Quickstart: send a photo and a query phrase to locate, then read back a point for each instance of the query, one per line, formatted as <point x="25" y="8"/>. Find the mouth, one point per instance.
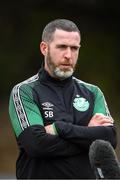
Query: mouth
<point x="66" y="65"/>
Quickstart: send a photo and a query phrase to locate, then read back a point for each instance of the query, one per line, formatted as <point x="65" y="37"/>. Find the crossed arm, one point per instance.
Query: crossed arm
<point x="99" y="127"/>
<point x="98" y="119"/>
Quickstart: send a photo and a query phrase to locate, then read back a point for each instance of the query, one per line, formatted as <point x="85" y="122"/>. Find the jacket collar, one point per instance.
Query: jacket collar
<point x="44" y="77"/>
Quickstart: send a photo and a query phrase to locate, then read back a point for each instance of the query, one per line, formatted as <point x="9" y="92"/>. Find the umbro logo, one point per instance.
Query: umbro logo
<point x="48" y="109"/>
<point x="47" y="105"/>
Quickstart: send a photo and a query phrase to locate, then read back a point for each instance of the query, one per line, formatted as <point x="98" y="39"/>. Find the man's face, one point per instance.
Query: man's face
<point x="62" y="54"/>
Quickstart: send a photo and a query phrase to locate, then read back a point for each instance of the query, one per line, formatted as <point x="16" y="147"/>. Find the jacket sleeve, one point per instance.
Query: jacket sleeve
<point x="84" y="135"/>
<point x="29" y="128"/>
<point x="36" y="142"/>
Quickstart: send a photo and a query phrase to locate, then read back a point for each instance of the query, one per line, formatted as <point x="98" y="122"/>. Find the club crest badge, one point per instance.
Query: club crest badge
<point x="81" y="104"/>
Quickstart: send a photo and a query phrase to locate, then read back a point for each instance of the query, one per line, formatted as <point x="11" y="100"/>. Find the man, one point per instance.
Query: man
<point x="55" y="116"/>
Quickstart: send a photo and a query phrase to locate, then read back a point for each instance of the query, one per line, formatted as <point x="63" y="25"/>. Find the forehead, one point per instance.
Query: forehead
<point x="61" y="36"/>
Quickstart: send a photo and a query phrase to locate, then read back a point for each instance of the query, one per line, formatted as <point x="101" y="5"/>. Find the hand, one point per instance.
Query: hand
<point x="100" y="119"/>
<point x="49" y="129"/>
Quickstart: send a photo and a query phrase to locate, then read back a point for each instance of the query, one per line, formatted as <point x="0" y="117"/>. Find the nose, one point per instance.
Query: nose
<point x="68" y="53"/>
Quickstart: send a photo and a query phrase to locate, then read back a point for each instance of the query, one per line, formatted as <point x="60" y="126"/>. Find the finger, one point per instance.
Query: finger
<point x="99" y="115"/>
<point x="104" y="120"/>
<point x="107" y="124"/>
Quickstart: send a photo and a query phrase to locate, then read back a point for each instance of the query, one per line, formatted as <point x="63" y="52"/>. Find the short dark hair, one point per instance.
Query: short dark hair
<point x="62" y="24"/>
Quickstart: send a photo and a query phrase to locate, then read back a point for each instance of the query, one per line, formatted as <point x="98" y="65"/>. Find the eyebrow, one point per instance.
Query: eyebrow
<point x="64" y="45"/>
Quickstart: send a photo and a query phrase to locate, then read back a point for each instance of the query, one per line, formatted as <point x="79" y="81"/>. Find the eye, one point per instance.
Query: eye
<point x="74" y="48"/>
<point x="61" y="46"/>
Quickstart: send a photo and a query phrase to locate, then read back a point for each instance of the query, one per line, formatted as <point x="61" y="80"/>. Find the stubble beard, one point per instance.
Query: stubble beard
<point x="56" y="71"/>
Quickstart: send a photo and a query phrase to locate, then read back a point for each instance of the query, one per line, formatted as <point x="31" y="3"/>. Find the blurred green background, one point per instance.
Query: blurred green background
<point x="21" y="25"/>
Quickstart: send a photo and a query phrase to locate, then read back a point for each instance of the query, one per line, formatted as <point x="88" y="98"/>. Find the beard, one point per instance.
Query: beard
<point x="56" y="71"/>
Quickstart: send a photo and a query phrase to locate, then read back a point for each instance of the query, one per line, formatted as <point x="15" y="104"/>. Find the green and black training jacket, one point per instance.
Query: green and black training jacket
<point x="67" y="104"/>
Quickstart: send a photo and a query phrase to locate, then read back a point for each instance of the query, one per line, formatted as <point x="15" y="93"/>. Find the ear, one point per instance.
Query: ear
<point x="43" y="48"/>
